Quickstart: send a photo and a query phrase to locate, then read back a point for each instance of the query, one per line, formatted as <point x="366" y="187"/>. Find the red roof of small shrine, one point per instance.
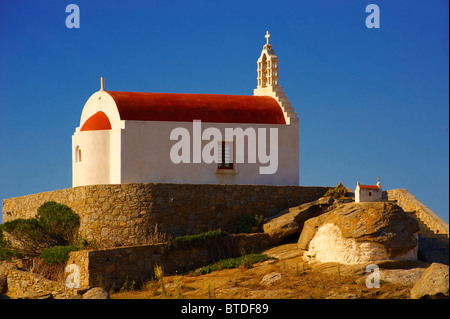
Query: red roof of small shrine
<point x="369" y="186"/>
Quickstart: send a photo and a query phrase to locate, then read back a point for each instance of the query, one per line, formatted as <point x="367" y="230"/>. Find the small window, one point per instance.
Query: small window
<point x="77" y="154"/>
<point x="370" y="193"/>
<point x="225" y="155"/>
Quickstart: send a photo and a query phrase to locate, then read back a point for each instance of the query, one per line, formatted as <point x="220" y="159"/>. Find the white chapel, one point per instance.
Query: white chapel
<point x="134" y="137"/>
<point x="368" y="193"/>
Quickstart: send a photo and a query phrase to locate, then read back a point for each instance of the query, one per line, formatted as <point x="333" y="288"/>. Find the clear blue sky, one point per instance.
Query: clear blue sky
<point x="371" y="102"/>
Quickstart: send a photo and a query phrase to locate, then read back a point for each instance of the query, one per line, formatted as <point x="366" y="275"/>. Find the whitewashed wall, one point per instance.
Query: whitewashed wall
<point x="139" y="151"/>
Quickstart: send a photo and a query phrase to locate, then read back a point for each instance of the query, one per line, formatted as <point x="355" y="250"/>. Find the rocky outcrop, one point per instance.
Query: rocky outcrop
<point x="360" y="232"/>
<point x="433" y="284"/>
<point x="290" y="221"/>
<point x="270" y="279"/>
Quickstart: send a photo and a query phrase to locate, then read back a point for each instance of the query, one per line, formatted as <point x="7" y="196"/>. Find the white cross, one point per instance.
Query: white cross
<point x="267" y="36"/>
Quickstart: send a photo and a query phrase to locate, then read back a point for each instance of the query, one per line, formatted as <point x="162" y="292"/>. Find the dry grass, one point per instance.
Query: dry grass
<point x="298" y="281"/>
<point x="53" y="272"/>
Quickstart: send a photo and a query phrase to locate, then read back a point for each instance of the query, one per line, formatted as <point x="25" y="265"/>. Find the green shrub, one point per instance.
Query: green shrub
<point x="29" y="238"/>
<point x="187" y="239"/>
<point x="59" y="221"/>
<point x="8" y="254"/>
<point x="246" y="261"/>
<point x="250" y="223"/>
<point x="54" y="225"/>
<point x="57" y="254"/>
<point x="338" y="192"/>
<point x="6" y="251"/>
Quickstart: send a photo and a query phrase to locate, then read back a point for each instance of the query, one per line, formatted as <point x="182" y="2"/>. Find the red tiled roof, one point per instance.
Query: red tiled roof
<point x="368" y="186"/>
<point x="98" y="121"/>
<point x="215" y="108"/>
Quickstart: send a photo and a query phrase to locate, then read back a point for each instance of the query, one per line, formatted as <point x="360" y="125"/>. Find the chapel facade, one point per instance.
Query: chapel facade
<point x="134" y="137"/>
<point x="368" y="193"/>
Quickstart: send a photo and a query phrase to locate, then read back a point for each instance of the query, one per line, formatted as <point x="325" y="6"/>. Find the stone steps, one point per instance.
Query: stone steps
<point x="424" y="228"/>
<point x="433" y="247"/>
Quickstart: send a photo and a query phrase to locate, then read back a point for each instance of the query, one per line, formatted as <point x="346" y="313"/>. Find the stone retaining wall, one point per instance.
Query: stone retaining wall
<point x="24" y="284"/>
<point x="127" y="213"/>
<point x="110" y="268"/>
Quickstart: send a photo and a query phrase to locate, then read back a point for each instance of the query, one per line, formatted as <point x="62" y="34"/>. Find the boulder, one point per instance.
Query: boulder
<point x="270" y="279"/>
<point x="354" y="233"/>
<point x="96" y="293"/>
<point x="35" y="295"/>
<point x="433" y="284"/>
<point x="291" y="220"/>
<point x="405" y="277"/>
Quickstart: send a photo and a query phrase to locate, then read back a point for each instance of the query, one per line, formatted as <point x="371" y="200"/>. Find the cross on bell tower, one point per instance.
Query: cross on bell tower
<point x="267" y="36"/>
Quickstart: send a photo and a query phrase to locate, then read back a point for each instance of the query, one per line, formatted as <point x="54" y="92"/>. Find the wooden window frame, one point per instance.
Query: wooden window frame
<point x="224" y="164"/>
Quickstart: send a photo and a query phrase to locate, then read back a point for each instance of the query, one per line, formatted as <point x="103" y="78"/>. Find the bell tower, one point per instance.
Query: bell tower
<point x="267" y="66"/>
<point x="268" y="83"/>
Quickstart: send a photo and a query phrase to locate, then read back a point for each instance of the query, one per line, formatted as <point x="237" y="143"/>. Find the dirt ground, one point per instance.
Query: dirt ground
<point x="287" y="277"/>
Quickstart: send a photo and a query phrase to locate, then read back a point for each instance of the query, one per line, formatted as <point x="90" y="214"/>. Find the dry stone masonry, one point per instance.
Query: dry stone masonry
<point x="127" y="213"/>
<point x="110" y="268"/>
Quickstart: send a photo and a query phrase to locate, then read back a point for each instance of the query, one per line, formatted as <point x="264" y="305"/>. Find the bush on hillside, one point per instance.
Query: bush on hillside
<point x="245" y="261"/>
<point x="6" y="253"/>
<point x="26" y="237"/>
<point x="57" y="254"/>
<point x="59" y="221"/>
<point x="54" y="225"/>
<point x="250" y="223"/>
<point x="338" y="192"/>
<point x="187" y="239"/>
